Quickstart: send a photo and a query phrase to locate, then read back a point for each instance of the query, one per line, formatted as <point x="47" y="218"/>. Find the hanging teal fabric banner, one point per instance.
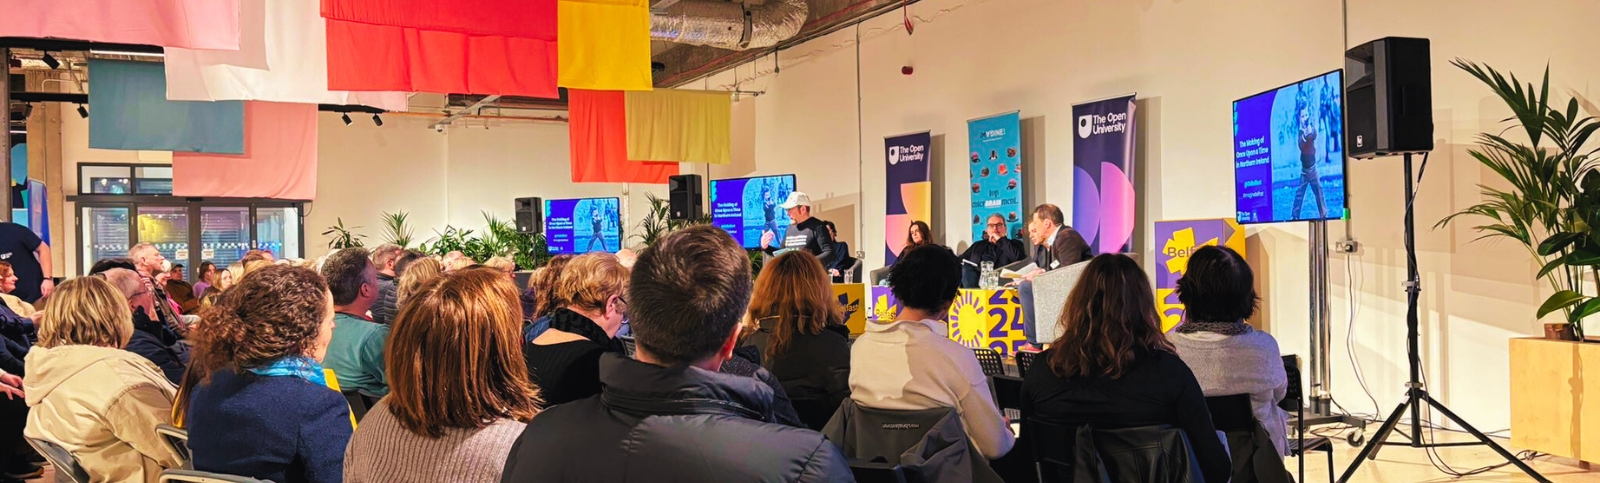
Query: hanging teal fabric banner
<point x="128" y="109"/>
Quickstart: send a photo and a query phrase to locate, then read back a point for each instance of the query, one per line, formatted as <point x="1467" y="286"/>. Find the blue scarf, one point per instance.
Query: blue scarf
<point x="295" y="366"/>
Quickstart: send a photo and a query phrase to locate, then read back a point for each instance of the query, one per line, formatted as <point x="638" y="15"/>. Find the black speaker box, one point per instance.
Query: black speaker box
<point x="1388" y="98"/>
<point x="530" y="215"/>
<point x="684" y="198"/>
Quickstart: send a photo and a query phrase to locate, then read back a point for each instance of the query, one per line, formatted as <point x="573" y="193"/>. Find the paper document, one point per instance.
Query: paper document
<point x="1020" y="272"/>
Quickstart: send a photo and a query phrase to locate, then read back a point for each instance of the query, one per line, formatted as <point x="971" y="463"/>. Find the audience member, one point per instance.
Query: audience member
<point x="181" y="291"/>
<point x="801" y="334"/>
<point x="1227" y="355"/>
<point x="406" y="259"/>
<point x="416" y="275"/>
<point x="150" y="339"/>
<point x="504" y="264"/>
<point x="110" y="263"/>
<point x="1055" y="245"/>
<point x="914" y="365"/>
<point x="259" y="255"/>
<point x="565" y="360"/>
<point x="746" y="361"/>
<point x="384" y="258"/>
<point x="995" y="248"/>
<point x="204" y="277"/>
<point x="30" y="259"/>
<point x="356" y="353"/>
<point x="459" y="263"/>
<point x="847" y="259"/>
<point x="668" y="416"/>
<point x="1113" y="368"/>
<point x="100" y="403"/>
<point x="459" y="389"/>
<point x="627" y="257"/>
<point x="261" y="407"/>
<point x="16" y="316"/>
<point x="539" y="299"/>
<point x="227" y="277"/>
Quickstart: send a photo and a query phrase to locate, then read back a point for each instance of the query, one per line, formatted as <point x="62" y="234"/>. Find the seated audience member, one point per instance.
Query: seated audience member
<point x="181" y="291"/>
<point x="356" y="353"/>
<point x="746" y="361"/>
<point x="150" y="339"/>
<point x="384" y="258"/>
<point x="1227" y="355"/>
<point x="259" y="255"/>
<point x="99" y="402"/>
<point x="801" y="333"/>
<point x="846" y="258"/>
<point x="910" y="364"/>
<point x="1112" y="367"/>
<point x="426" y="270"/>
<point x="1055" y="245"/>
<point x="627" y="257"/>
<point x="542" y="289"/>
<point x="459" y="392"/>
<point x="16" y="315"/>
<point x="669" y="416"/>
<point x="995" y="248"/>
<point x="262" y="407"/>
<point x="565" y="360"/>
<point x="228" y="275"/>
<point x="503" y="264"/>
<point x="204" y="278"/>
<point x="406" y="259"/>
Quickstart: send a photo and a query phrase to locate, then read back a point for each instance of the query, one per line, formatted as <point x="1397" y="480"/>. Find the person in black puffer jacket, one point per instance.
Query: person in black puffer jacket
<point x="669" y="416"/>
<point x="746" y="361"/>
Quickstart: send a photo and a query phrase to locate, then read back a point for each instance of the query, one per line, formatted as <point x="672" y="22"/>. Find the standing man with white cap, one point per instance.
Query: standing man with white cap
<point x="803" y="233"/>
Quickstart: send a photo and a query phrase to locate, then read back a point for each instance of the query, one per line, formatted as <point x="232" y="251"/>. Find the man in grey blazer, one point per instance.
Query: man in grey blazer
<point x="1055" y="245"/>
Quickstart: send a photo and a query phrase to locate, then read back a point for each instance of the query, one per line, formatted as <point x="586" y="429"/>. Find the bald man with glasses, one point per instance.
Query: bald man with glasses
<point x="994" y="247"/>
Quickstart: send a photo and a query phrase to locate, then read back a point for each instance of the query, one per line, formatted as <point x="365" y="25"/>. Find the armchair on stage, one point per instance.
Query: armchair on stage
<point x="1050" y="291"/>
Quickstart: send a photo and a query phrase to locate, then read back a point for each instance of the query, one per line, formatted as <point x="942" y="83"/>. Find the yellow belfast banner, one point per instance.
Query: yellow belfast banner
<point x="680" y="125"/>
<point x="852" y="298"/>
<point x="1179" y="239"/>
<point x="603" y="45"/>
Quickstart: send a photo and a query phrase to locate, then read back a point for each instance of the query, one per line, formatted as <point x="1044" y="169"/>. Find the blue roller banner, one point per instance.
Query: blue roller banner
<point x="994" y="146"/>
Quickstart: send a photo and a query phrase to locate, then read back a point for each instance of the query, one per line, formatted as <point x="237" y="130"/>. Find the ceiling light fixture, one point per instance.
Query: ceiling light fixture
<point x="83" y="111"/>
<point x="346" y="118"/>
<point x="377" y="120"/>
<point x="51" y="61"/>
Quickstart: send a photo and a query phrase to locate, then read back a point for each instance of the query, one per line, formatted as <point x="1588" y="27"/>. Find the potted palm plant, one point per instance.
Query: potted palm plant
<point x="1552" y="207"/>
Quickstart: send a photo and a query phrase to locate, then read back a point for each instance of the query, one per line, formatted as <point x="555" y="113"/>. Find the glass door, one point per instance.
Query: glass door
<point x="103" y="234"/>
<point x="188" y="232"/>
<point x="166" y="227"/>
<point x="278" y="231"/>
<point x="224" y="234"/>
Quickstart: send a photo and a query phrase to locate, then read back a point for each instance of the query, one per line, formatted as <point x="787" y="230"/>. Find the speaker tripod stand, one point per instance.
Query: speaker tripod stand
<point x="1416" y="391"/>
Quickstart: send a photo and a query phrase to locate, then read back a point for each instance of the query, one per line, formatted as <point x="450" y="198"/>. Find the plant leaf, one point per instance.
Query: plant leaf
<point x="1558" y="301"/>
<point x="1587" y="308"/>
<point x="1558" y="242"/>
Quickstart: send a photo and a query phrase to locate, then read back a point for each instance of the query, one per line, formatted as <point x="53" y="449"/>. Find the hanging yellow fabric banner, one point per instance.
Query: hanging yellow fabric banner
<point x="679" y="125"/>
<point x="603" y="44"/>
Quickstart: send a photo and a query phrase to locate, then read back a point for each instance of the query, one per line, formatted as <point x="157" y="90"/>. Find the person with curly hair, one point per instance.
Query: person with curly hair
<point x="257" y="402"/>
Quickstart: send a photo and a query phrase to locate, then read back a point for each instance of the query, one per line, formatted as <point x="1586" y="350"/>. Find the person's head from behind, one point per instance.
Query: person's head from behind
<point x="352" y="278"/>
<point x="455" y="357"/>
<point x="418" y="274"/>
<point x="385" y="257"/>
<point x="1217" y="286"/>
<point x="86" y="311"/>
<point x="405" y="260"/>
<point x="8" y="278"/>
<point x="918" y="234"/>
<point x="689" y="292"/>
<point x="277" y="312"/>
<point x="627" y="257"/>
<point x="146" y="257"/>
<point x="110" y="263"/>
<point x="794" y="292"/>
<point x="543" y="285"/>
<point x="994" y="227"/>
<point x="504" y="264"/>
<point x="458" y="263"/>
<point x="925" y="280"/>
<point x="259" y="254"/>
<point x="1108" y="321"/>
<point x="833" y="230"/>
<point x="132" y="288"/>
<point x="1046" y="218"/>
<point x="595" y="285"/>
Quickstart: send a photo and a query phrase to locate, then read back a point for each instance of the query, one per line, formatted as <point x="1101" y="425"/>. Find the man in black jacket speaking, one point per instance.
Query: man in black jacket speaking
<point x="803" y="233"/>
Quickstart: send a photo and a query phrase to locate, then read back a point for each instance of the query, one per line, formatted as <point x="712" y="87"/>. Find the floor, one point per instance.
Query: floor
<point x="1397" y="464"/>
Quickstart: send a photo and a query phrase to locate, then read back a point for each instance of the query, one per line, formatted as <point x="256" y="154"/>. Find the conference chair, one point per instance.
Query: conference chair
<point x="66" y="464"/>
<point x="192" y="476"/>
<point x="1294" y="401"/>
<point x="358" y="404"/>
<point x="990" y="361"/>
<point x="1159" y="453"/>
<point x="1255" y="458"/>
<point x="1024" y="362"/>
<point x="177" y="440"/>
<point x="927" y="445"/>
<point x="869" y="472"/>
<point x="1052" y="458"/>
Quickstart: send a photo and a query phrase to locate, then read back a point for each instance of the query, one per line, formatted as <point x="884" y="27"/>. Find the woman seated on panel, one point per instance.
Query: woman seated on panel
<point x="458" y="388"/>
<point x="801" y="335"/>
<point x="565" y="360"/>
<point x="918" y="234"/>
<point x="1227" y="355"/>
<point x="91" y="397"/>
<point x="1112" y="367"/>
<point x="256" y="401"/>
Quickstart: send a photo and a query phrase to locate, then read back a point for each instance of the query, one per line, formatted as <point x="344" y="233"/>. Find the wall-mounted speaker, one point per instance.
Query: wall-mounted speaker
<point x="685" y="199"/>
<point x="530" y="215"/>
<point x="1388" y="98"/>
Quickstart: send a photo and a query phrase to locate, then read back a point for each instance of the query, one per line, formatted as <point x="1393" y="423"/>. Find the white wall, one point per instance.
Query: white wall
<point x="1188" y="61"/>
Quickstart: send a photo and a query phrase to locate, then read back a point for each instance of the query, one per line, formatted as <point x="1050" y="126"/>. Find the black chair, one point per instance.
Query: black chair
<point x="1255" y="458"/>
<point x="1007" y="396"/>
<point x="66" y="464"/>
<point x="628" y="346"/>
<point x="814" y="411"/>
<point x="177" y="440"/>
<point x="869" y="472"/>
<point x="358" y="404"/>
<point x="1025" y="361"/>
<point x="1294" y="401"/>
<point x="990" y="360"/>
<point x="1052" y="458"/>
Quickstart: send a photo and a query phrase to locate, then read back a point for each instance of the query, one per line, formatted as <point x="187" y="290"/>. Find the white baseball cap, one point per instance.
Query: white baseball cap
<point x="796" y="199"/>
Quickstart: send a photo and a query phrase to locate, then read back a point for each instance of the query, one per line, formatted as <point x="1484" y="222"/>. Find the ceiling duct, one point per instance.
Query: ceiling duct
<point x="728" y="25"/>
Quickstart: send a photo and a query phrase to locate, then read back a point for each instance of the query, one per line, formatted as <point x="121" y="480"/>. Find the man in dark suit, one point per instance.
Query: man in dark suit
<point x="994" y="247"/>
<point x="1055" y="245"/>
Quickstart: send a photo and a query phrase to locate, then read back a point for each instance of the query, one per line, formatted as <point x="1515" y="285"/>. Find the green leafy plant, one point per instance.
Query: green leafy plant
<point x="499" y="238"/>
<point x="658" y="223"/>
<point x="1553" y="205"/>
<point x="397" y="229"/>
<point x="343" y="237"/>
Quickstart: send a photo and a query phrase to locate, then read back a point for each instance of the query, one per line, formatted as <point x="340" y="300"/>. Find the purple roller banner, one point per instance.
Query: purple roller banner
<point x="910" y="194"/>
<point x="1102" y="174"/>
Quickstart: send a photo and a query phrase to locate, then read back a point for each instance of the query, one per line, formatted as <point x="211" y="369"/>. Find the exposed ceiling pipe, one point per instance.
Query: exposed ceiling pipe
<point x="486" y="100"/>
<point x="728" y="25"/>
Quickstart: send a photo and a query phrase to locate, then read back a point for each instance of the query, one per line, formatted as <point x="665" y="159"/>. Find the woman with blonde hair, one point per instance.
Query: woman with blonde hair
<point x="418" y="274"/>
<point x="503" y="264"/>
<point x="98" y="401"/>
<point x="801" y="335"/>
<point x="459" y="392"/>
<point x="565" y="360"/>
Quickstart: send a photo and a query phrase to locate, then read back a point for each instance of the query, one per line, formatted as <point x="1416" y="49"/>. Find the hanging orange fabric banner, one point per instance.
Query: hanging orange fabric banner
<point x="598" y="131"/>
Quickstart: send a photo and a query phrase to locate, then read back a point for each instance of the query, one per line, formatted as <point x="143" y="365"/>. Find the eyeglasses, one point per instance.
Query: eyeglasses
<point x="997" y="225"/>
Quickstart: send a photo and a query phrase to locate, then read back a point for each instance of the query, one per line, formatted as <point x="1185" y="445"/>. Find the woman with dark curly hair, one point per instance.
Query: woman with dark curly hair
<point x="260" y="405"/>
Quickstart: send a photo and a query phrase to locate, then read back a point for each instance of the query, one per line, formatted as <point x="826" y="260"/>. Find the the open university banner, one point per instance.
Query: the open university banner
<point x="1102" y="174"/>
<point x="907" y="186"/>
<point x="995" y="151"/>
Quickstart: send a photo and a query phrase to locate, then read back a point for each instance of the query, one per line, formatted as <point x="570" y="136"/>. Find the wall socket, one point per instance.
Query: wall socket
<point x="1346" y="246"/>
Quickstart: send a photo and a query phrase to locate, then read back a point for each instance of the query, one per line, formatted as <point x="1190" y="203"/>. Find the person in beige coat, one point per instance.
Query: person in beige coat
<point x="96" y="400"/>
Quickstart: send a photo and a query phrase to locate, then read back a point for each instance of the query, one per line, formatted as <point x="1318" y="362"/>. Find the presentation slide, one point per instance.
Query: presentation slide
<point x="1288" y="152"/>
<point x="748" y="207"/>
<point x="583" y="225"/>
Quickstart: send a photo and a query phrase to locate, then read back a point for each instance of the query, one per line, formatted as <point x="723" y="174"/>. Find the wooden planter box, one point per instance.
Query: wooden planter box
<point x="1555" y="397"/>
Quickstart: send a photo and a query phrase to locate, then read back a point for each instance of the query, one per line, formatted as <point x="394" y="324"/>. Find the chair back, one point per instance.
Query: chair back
<point x="814" y="411"/>
<point x="177" y="440"/>
<point x="990" y="361"/>
<point x="629" y="346"/>
<point x="869" y="472"/>
<point x="1232" y="413"/>
<point x="853" y="273"/>
<point x="66" y="464"/>
<point x="1054" y="449"/>
<point x="358" y="404"/>
<point x="1294" y="398"/>
<point x="927" y="445"/>
<point x="192" y="476"/>
<point x="1050" y="291"/>
<point x="1025" y="361"/>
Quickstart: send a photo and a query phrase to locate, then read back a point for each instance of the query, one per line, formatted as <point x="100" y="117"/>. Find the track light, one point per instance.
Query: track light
<point x="346" y="118"/>
<point x="27" y="110"/>
<point x="51" y="61"/>
<point x="83" y="111"/>
<point x="377" y="120"/>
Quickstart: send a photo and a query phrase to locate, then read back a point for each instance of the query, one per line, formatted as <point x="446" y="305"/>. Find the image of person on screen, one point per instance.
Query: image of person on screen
<point x="769" y="208"/>
<point x="597" y="230"/>
<point x="804" y="233"/>
<point x="1310" y="174"/>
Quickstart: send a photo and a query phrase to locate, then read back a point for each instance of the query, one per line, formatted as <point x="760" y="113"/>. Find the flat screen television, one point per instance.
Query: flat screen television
<point x="748" y="207"/>
<point x="1288" y="152"/>
<point x="583" y="225"/>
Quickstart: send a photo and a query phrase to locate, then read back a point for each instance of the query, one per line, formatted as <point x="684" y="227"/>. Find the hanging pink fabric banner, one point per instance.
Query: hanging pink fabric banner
<point x="279" y="160"/>
<point x="283" y="57"/>
<point x="194" y="24"/>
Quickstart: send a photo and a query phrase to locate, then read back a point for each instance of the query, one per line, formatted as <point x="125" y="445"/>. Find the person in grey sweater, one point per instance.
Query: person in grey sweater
<point x="1226" y="355"/>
